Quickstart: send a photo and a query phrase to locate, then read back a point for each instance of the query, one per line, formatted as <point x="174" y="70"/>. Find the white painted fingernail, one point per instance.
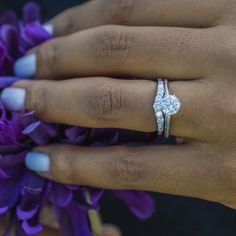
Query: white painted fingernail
<point x="13" y="98"/>
<point x="49" y="28"/>
<point x="37" y="161"/>
<point x="25" y="67"/>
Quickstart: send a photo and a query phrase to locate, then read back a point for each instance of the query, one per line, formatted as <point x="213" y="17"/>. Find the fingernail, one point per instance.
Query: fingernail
<point x="13" y="98"/>
<point x="25" y="67"/>
<point x="37" y="161"/>
<point x="49" y="28"/>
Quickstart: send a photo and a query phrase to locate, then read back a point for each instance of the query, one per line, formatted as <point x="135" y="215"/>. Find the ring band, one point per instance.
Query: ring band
<point x="167" y="116"/>
<point x="157" y="107"/>
<point x="165" y="105"/>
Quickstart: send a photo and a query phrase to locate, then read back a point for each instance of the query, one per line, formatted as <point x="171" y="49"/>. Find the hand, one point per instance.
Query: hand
<point x="192" y="43"/>
<point x="51" y="226"/>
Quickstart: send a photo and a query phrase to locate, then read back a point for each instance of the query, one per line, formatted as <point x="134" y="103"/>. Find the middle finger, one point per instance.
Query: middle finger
<point x="146" y="52"/>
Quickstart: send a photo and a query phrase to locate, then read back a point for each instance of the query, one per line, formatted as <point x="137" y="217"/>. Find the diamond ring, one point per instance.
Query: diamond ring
<point x="157" y="107"/>
<point x="165" y="105"/>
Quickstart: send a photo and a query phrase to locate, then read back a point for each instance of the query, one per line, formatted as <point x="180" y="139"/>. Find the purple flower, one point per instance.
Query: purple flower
<point x="23" y="194"/>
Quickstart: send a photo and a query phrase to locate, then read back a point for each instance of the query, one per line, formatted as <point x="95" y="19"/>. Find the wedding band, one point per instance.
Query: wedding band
<point x="170" y="105"/>
<point x="157" y="107"/>
<point x="165" y="105"/>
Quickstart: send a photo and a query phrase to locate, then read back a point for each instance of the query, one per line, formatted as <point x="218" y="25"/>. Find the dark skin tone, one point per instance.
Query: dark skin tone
<point x="194" y="46"/>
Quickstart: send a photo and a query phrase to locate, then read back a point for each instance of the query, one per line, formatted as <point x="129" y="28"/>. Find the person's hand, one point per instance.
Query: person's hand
<point x="51" y="227"/>
<point x="192" y="43"/>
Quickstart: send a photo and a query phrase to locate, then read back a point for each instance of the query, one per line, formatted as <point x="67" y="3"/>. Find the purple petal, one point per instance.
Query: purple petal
<point x="40" y="133"/>
<point x="63" y="195"/>
<point x="3" y="57"/>
<point x="77" y="135"/>
<point x="9" y="17"/>
<point x="26" y="215"/>
<point x="79" y="219"/>
<point x="64" y="220"/>
<point x="10" y="192"/>
<point x="139" y="202"/>
<point x="3" y="210"/>
<point x="32" y="230"/>
<point x="19" y="231"/>
<point x="31" y="12"/>
<point x="12" y="160"/>
<point x="33" y="34"/>
<point x="6" y="149"/>
<point x="10" y="36"/>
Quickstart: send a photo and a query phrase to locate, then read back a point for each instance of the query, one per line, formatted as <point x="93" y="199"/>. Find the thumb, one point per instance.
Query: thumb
<point x="110" y="230"/>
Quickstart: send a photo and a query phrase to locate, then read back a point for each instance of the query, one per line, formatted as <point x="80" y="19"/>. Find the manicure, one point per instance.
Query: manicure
<point x="25" y="67"/>
<point x="37" y="161"/>
<point x="13" y="98"/>
<point x="49" y="28"/>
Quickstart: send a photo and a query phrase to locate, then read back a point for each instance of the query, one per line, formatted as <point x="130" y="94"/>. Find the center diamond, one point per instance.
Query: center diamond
<point x="170" y="105"/>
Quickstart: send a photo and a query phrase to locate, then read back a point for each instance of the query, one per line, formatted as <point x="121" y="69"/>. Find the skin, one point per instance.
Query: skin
<point x="194" y="46"/>
<point x="50" y="226"/>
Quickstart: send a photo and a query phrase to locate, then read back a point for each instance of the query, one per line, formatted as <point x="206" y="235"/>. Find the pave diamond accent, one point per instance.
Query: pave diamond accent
<point x="158" y="108"/>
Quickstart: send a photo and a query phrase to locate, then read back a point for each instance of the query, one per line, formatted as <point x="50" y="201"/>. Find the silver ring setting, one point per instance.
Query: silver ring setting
<point x="165" y="106"/>
<point x="158" y="107"/>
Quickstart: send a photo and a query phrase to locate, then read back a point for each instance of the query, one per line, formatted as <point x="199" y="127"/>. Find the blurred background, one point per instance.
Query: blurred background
<point x="175" y="216"/>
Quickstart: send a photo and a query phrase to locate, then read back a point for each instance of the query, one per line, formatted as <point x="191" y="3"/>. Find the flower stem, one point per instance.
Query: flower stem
<point x="94" y="217"/>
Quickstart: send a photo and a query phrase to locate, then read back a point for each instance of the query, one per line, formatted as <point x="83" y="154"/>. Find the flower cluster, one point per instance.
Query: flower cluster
<point x="23" y="194"/>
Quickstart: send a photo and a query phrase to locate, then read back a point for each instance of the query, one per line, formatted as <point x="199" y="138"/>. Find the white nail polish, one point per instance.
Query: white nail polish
<point x="13" y="98"/>
<point x="49" y="28"/>
<point x="25" y="67"/>
<point x="37" y="161"/>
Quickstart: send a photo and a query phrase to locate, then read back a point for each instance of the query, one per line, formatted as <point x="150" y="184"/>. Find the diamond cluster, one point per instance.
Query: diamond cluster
<point x="160" y="93"/>
<point x="170" y="105"/>
<point x="164" y="105"/>
<point x="157" y="107"/>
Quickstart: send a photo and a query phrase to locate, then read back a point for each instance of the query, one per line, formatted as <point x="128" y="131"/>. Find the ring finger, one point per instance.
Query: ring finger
<point x="104" y="103"/>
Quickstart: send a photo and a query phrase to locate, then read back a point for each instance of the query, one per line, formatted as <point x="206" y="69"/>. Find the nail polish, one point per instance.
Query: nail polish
<point x="25" y="67"/>
<point x="13" y="98"/>
<point x="49" y="28"/>
<point x="37" y="161"/>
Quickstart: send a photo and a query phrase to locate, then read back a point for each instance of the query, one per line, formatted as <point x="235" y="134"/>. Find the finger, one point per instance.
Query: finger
<point x="180" y="170"/>
<point x="181" y="13"/>
<point x="149" y="52"/>
<point x="48" y="218"/>
<point x="110" y="230"/>
<point x="104" y="103"/>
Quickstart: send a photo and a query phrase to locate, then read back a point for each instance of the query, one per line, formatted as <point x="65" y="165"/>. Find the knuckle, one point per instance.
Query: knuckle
<point x="67" y="23"/>
<point x="128" y="169"/>
<point x="107" y="102"/>
<point x="47" y="58"/>
<point x="223" y="52"/>
<point x="227" y="173"/>
<point x="224" y="58"/>
<point x="112" y="43"/>
<point x="36" y="98"/>
<point x="118" y="11"/>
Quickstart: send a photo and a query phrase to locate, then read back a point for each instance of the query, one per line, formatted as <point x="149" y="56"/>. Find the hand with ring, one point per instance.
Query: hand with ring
<point x="191" y="43"/>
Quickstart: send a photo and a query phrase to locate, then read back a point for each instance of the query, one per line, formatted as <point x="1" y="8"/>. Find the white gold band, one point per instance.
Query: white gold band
<point x="165" y="105"/>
